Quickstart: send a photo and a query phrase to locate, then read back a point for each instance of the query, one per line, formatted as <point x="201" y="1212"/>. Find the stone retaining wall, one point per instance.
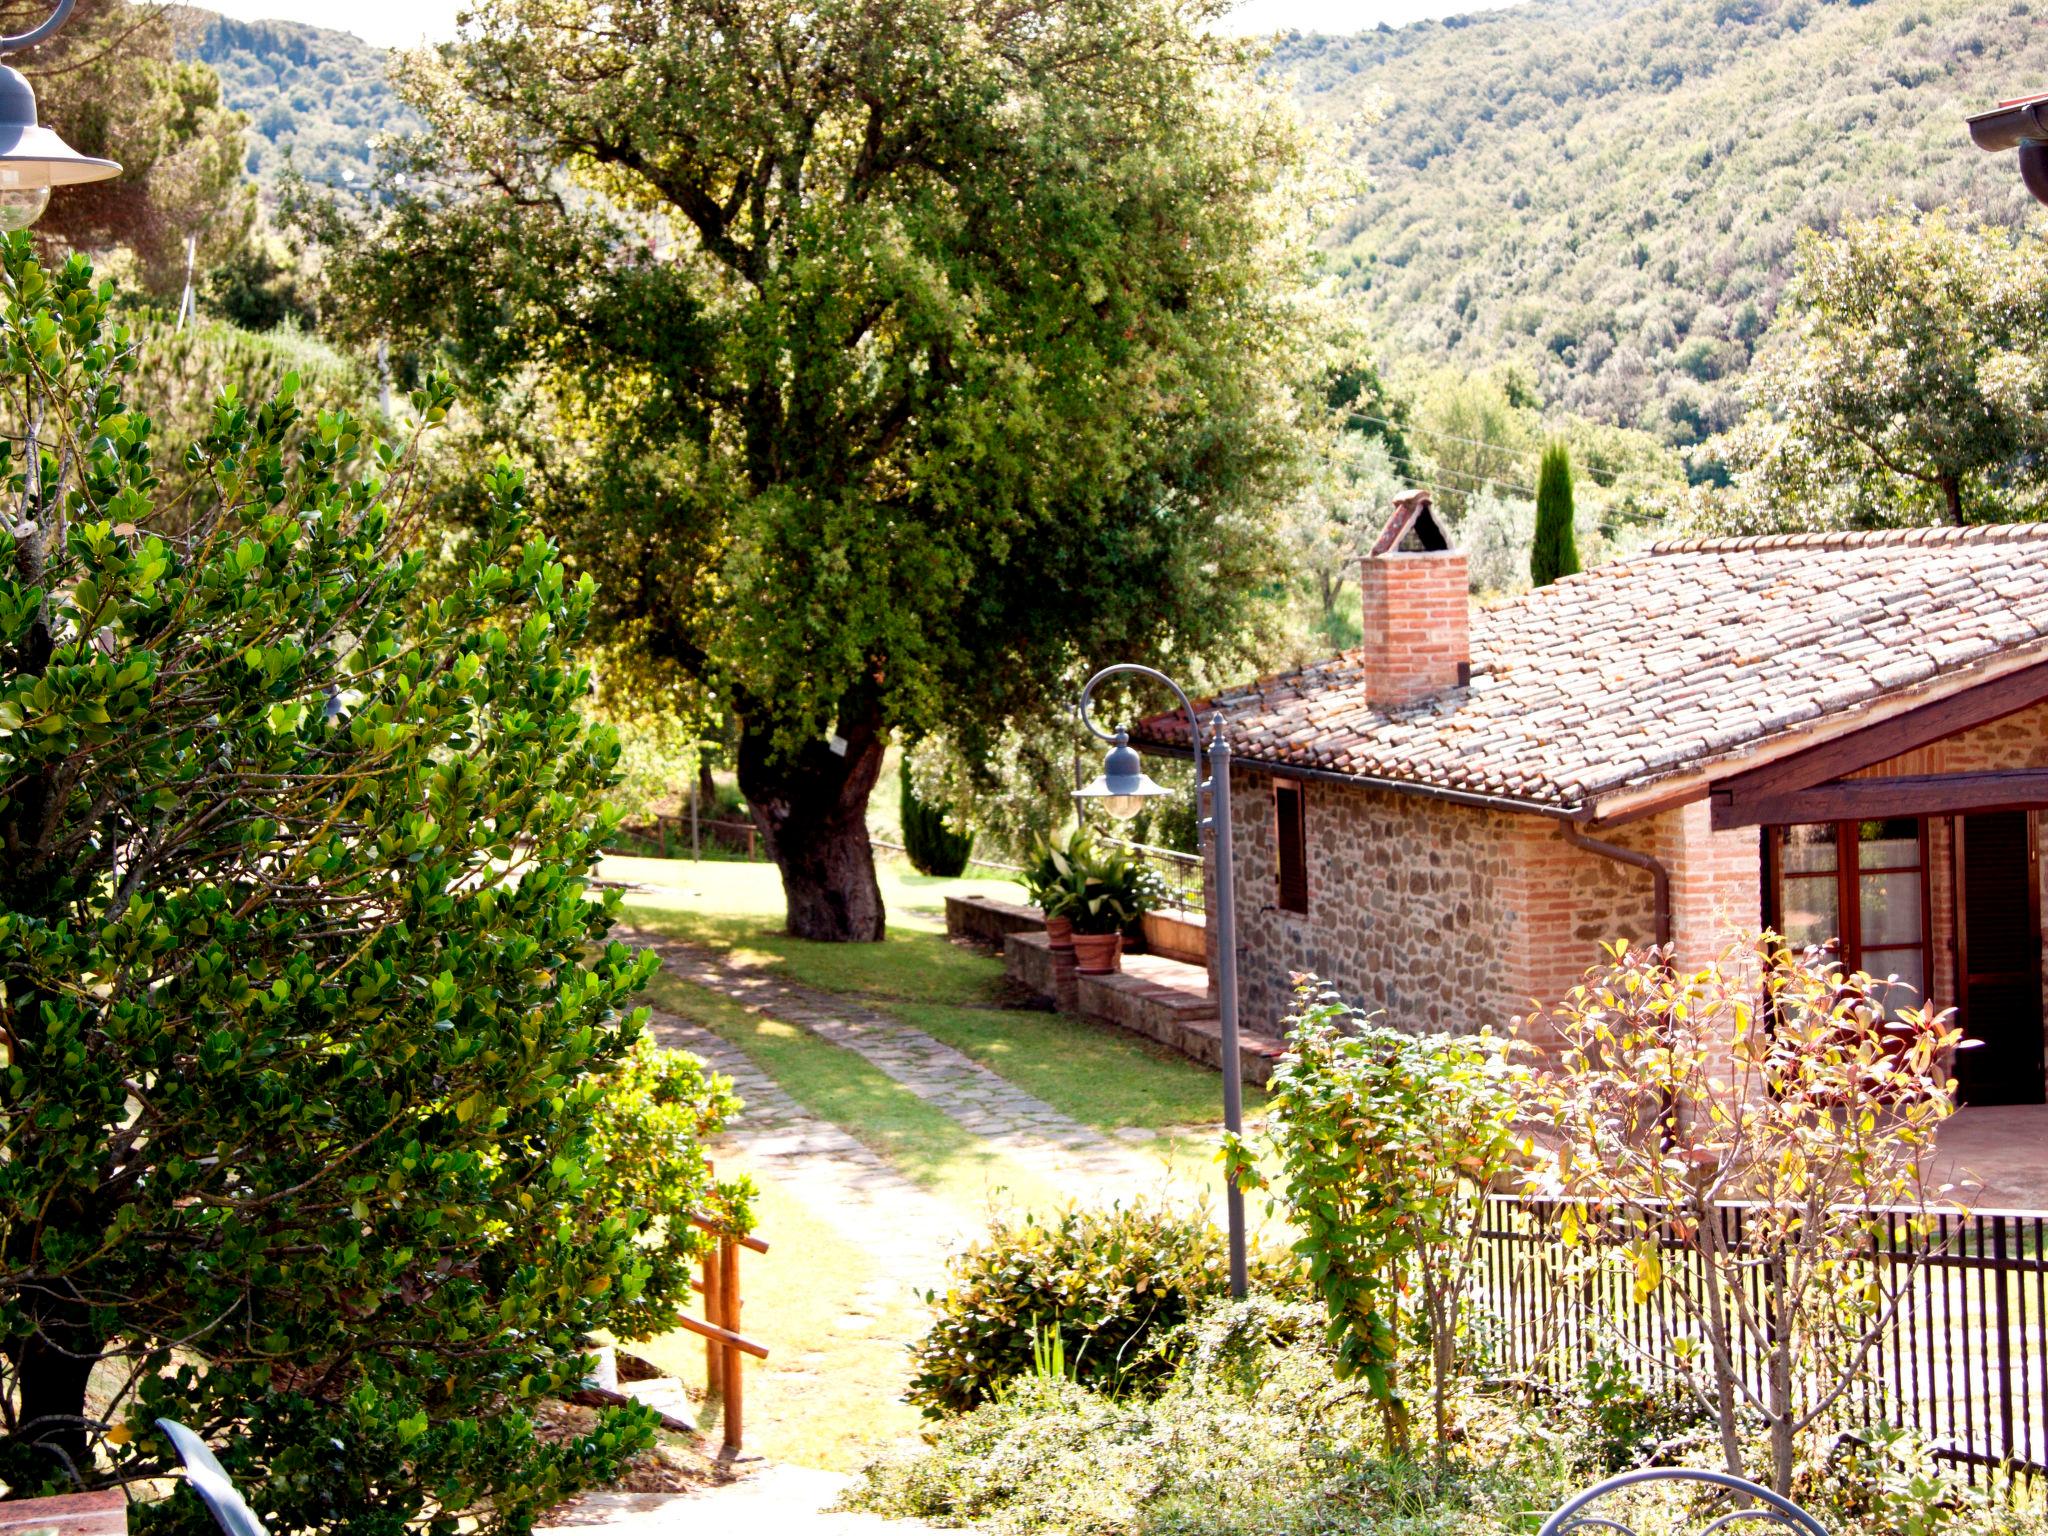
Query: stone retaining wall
<point x="988" y="921"/>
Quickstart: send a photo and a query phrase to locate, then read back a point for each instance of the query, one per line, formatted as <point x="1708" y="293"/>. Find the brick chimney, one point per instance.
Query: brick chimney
<point x="1417" y="640"/>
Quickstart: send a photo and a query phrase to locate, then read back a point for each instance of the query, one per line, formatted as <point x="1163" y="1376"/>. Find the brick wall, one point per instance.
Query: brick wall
<point x="1416" y="613"/>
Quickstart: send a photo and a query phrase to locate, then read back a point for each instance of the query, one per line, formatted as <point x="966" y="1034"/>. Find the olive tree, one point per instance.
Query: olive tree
<point x="891" y="363"/>
<point x="325" y="1128"/>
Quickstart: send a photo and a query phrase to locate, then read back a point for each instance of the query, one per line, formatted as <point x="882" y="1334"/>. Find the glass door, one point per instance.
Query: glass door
<point x="1862" y="887"/>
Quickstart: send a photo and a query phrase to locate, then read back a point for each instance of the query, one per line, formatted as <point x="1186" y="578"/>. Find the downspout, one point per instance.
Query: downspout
<point x="1660" y="877"/>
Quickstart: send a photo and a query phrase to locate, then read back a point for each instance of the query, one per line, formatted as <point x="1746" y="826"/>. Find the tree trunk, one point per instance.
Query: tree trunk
<point x="812" y="808"/>
<point x="1952" y="492"/>
<point x="52" y="1368"/>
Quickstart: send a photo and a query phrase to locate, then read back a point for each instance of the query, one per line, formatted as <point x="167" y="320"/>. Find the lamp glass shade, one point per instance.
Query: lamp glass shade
<point x="34" y="159"/>
<point x="1123" y="786"/>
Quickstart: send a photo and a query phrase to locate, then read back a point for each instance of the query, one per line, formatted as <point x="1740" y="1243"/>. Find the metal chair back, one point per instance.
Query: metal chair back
<point x="209" y="1479"/>
<point x="1765" y="1507"/>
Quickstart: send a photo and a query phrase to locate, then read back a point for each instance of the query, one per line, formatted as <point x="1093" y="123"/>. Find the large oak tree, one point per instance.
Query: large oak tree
<point x="888" y="361"/>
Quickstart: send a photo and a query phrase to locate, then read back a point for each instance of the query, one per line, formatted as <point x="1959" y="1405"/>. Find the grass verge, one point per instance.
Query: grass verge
<point x="828" y="1395"/>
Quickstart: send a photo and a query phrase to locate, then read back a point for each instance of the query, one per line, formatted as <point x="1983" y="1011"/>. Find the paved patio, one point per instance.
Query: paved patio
<point x="1997" y="1157"/>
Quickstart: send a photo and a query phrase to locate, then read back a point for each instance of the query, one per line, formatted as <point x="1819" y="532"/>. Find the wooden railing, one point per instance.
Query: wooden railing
<point x="720" y="1329"/>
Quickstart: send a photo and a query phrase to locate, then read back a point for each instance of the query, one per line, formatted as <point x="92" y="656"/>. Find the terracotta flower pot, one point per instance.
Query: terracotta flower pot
<point x="1060" y="930"/>
<point x="1097" y="954"/>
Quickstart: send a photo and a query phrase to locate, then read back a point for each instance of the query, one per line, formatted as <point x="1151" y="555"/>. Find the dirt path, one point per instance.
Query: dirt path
<point x="776" y="1501"/>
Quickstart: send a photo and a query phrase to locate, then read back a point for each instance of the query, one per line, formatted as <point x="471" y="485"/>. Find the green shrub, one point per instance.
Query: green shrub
<point x="1112" y="1284"/>
<point x="933" y="847"/>
<point x="1252" y="1435"/>
<point x="314" y="1038"/>
<point x="1387" y="1144"/>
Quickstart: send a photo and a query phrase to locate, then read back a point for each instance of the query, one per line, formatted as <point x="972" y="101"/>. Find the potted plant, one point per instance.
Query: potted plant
<point x="1117" y="889"/>
<point x="1054" y="882"/>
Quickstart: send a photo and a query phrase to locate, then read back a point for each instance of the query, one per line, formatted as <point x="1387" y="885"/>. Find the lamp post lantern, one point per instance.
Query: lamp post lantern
<point x="1122" y="789"/>
<point x="33" y="159"/>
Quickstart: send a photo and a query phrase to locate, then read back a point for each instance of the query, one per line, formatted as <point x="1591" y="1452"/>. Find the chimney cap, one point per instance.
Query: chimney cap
<point x="1413" y="514"/>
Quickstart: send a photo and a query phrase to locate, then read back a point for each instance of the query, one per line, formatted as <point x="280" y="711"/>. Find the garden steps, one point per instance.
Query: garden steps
<point x="1162" y="999"/>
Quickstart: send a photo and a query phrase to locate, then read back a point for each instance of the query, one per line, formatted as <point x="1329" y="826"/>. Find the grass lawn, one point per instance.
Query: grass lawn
<point x="924" y="1144"/>
<point x="828" y="1393"/>
<point x="738" y="908"/>
<point x="1111" y="1081"/>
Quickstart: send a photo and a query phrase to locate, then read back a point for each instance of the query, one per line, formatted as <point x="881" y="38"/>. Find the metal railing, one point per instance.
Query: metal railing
<point x="1963" y="1360"/>
<point x="1181" y="871"/>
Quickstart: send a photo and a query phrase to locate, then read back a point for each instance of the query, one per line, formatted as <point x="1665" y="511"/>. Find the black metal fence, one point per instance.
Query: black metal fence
<point x="1182" y="872"/>
<point x="1962" y="1358"/>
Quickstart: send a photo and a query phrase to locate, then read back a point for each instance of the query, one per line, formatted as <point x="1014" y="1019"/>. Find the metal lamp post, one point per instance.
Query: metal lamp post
<point x="33" y="159"/>
<point x="1122" y="789"/>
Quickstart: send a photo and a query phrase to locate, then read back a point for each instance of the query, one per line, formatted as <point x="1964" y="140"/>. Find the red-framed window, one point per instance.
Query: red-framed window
<point x="1863" y="884"/>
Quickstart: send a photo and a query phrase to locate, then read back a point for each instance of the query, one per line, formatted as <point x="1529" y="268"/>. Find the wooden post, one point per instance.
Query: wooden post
<point x="729" y="1299"/>
<point x="714" y="1313"/>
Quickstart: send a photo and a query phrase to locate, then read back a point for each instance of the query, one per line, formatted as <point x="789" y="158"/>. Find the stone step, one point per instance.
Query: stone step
<point x="1160" y="999"/>
<point x="1176" y="1018"/>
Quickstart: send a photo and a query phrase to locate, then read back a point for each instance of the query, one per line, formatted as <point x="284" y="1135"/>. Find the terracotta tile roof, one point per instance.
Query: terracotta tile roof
<point x="1701" y="649"/>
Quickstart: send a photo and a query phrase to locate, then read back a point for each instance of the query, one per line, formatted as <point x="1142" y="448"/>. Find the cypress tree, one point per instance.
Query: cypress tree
<point x="1555" y="551"/>
<point x="933" y="847"/>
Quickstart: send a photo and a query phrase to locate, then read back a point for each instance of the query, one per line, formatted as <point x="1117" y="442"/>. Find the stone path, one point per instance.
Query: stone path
<point x="849" y="1187"/>
<point x="1075" y="1158"/>
<point x="776" y="1501"/>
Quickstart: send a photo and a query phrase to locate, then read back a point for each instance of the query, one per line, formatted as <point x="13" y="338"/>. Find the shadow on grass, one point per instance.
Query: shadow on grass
<point x="907" y="966"/>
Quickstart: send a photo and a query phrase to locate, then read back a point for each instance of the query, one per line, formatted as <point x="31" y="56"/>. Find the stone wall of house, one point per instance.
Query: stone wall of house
<point x="1450" y="917"/>
<point x="1410" y="901"/>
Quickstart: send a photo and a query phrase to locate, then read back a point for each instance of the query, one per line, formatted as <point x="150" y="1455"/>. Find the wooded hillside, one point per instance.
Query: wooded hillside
<point x="1608" y="191"/>
<point x="312" y="94"/>
<point x="1603" y="191"/>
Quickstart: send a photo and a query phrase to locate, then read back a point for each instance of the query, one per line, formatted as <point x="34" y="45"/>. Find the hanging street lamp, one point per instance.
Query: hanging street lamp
<point x="33" y="159"/>
<point x="2020" y="124"/>
<point x="1122" y="789"/>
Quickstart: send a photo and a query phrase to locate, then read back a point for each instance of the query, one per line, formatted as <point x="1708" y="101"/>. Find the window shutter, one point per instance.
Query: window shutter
<point x="1293" y="845"/>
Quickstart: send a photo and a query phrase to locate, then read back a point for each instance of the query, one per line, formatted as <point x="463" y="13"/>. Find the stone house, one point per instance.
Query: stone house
<point x="1843" y="736"/>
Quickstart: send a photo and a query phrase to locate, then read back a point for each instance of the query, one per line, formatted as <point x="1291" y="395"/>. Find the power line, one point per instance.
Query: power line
<point x="1452" y="437"/>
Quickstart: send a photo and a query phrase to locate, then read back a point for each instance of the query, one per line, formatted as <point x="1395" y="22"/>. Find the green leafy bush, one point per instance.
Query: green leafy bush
<point x="1253" y="1435"/>
<point x="1112" y="1284"/>
<point x="325" y="1129"/>
<point x="1388" y="1143"/>
<point x="933" y="846"/>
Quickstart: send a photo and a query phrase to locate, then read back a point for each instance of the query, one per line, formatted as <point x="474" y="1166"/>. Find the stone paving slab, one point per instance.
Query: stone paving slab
<point x="864" y="1199"/>
<point x="1075" y="1158"/>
